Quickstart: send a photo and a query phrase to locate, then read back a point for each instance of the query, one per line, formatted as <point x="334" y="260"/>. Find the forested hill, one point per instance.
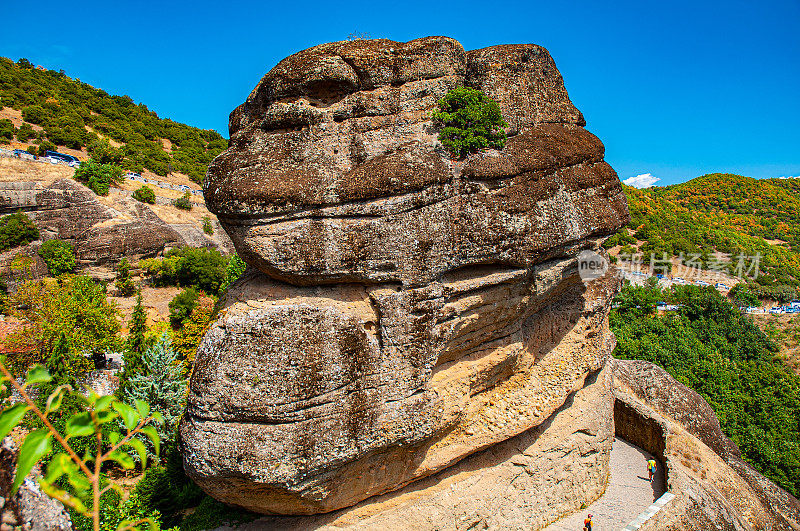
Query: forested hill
<point x="53" y="110"/>
<point x="726" y="213"/>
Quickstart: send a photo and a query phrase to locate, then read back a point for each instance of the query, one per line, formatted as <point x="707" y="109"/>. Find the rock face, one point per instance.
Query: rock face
<point x="714" y="488"/>
<point x="403" y="310"/>
<point x="69" y="211"/>
<point x="30" y="508"/>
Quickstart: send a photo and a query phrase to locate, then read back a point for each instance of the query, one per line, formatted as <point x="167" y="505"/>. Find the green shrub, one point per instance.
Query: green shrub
<point x="16" y="229"/>
<point x="45" y="146"/>
<point x="124" y="283"/>
<point x="208" y="228"/>
<point x="6" y="130"/>
<point x="98" y="177"/>
<point x="25" y="132"/>
<point x="145" y="194"/>
<point x="235" y="269"/>
<point x="181" y="306"/>
<point x="469" y="121"/>
<point x="34" y="114"/>
<point x="184" y="202"/>
<point x="59" y="256"/>
<point x="202" y="267"/>
<point x="103" y="152"/>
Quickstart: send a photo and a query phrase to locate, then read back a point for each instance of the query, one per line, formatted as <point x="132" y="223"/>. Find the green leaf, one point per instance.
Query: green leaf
<point x="104" y="417"/>
<point x="35" y="446"/>
<point x="64" y="496"/>
<point x="79" y="425"/>
<point x="114" y="437"/>
<point x="103" y="403"/>
<point x="143" y="408"/>
<point x="157" y="417"/>
<point x="10" y="417"/>
<point x="138" y="445"/>
<point x="38" y="374"/>
<point x="58" y="466"/>
<point x="125" y="525"/>
<point x="152" y="434"/>
<point x="128" y="414"/>
<point x="121" y="458"/>
<point x="55" y="398"/>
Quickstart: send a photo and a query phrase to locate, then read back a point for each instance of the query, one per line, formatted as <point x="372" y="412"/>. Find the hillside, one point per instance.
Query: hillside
<point x="715" y="219"/>
<point x="44" y="109"/>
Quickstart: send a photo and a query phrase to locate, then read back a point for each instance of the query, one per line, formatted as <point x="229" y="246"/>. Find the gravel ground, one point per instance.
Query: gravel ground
<point x="628" y="494"/>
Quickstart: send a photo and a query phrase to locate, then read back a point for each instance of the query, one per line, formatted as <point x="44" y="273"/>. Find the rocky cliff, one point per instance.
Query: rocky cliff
<point x="403" y="310"/>
<point x="102" y="230"/>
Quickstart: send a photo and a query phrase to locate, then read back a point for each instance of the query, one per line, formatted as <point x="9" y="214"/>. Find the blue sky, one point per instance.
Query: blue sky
<point x="674" y="89"/>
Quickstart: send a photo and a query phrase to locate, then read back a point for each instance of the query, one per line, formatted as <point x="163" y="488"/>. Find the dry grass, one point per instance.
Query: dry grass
<point x="12" y="169"/>
<point x="155" y="300"/>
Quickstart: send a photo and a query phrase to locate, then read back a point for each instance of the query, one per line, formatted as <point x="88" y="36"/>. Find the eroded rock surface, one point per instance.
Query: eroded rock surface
<point x="714" y="488"/>
<point x="403" y="310"/>
<point x="67" y="210"/>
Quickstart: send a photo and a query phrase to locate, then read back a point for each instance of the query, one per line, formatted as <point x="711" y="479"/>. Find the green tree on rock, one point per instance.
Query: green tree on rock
<point x="469" y="121"/>
<point x="59" y="256"/>
<point x="98" y="177"/>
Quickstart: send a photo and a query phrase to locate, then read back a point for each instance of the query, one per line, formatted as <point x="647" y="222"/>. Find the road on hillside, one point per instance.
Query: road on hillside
<point x="628" y="493"/>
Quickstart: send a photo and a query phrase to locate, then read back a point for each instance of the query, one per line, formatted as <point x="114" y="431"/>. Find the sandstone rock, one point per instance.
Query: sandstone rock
<point x="403" y="310"/>
<point x="714" y="487"/>
<point x="524" y="482"/>
<point x="101" y="235"/>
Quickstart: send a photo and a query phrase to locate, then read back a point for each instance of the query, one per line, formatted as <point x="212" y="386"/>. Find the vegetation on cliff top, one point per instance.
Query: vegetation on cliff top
<point x="711" y="347"/>
<point x="470" y="121"/>
<point x="113" y="129"/>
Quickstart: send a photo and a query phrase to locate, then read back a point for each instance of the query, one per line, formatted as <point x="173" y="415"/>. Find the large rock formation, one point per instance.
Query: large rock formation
<point x="67" y="210"/>
<point x="403" y="310"/>
<point x="713" y="487"/>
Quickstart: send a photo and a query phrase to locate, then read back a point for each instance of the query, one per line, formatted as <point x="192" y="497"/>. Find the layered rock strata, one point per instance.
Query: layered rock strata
<point x="67" y="210"/>
<point x="403" y="310"/>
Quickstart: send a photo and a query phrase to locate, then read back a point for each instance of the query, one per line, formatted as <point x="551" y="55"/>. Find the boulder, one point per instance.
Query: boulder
<point x="402" y="310"/>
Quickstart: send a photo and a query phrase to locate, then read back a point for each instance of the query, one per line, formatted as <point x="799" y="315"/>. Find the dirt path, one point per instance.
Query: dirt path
<point x="628" y="494"/>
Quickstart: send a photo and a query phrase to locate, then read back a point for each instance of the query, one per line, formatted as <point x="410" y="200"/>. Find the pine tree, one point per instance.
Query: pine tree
<point x="133" y="363"/>
<point x="58" y="362"/>
<point x="160" y="384"/>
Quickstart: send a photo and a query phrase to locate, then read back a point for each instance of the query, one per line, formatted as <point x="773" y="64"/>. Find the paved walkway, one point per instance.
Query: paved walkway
<point x="628" y="493"/>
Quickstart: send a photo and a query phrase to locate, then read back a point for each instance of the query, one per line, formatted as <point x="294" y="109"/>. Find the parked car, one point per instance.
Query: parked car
<point x="63" y="157"/>
<point x="776" y="310"/>
<point x="21" y="153"/>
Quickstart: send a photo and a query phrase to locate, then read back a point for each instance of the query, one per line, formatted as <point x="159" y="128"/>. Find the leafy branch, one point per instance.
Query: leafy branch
<point x="83" y="475"/>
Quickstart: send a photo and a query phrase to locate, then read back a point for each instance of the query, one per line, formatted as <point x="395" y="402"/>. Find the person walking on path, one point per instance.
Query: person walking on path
<point x="587" y="524"/>
<point x="651" y="469"/>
